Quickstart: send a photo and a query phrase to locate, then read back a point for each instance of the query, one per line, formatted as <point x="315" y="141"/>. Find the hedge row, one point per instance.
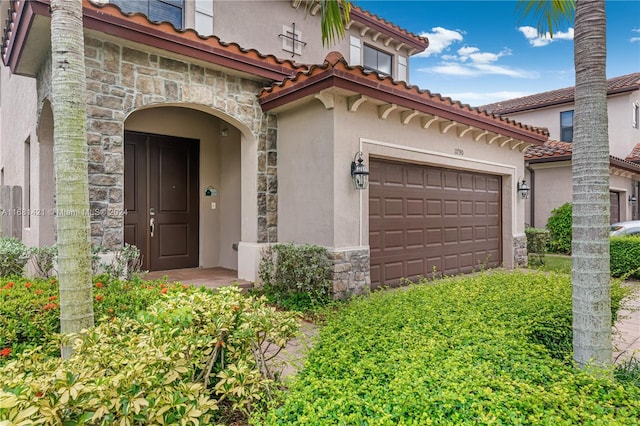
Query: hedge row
<point x="625" y="256"/>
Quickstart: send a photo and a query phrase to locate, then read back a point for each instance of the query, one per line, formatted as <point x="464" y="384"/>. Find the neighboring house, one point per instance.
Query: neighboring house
<point x="549" y="166"/>
<point x="228" y="150"/>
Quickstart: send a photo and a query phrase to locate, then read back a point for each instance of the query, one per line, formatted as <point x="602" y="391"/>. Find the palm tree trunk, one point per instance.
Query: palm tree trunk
<point x="590" y="275"/>
<point x="68" y="88"/>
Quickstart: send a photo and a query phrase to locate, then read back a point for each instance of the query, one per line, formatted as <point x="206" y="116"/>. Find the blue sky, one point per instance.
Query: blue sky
<point x="482" y="51"/>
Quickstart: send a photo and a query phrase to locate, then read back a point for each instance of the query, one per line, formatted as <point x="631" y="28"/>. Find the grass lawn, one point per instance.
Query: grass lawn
<point x="557" y="263"/>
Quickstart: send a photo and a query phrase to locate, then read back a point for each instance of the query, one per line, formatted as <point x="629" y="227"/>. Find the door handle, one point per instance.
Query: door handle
<point x="152" y="226"/>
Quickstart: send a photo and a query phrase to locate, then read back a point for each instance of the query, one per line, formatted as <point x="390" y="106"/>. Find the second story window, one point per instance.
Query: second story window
<point x="566" y="126"/>
<point x="156" y="10"/>
<point x="377" y="60"/>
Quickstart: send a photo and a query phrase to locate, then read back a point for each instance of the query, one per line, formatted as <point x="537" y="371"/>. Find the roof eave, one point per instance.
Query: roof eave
<point x="348" y="81"/>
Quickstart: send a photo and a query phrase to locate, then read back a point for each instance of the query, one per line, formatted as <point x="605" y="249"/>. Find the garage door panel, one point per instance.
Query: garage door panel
<point x="415" y="267"/>
<point x="466" y="182"/>
<point x="425" y="219"/>
<point x="415" y="238"/>
<point x="393" y="240"/>
<point x="415" y="177"/>
<point x="451" y="208"/>
<point x="434" y="178"/>
<point x="450" y="180"/>
<point x="415" y="207"/>
<point x="466" y="208"/>
<point x="375" y="209"/>
<point x="434" y="208"/>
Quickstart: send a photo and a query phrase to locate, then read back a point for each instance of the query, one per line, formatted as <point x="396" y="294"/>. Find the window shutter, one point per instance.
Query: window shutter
<point x="402" y="68"/>
<point x="354" y="51"/>
<point x="204" y="17"/>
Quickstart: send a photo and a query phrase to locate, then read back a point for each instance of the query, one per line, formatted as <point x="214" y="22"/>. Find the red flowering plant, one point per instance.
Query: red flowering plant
<point x="30" y="308"/>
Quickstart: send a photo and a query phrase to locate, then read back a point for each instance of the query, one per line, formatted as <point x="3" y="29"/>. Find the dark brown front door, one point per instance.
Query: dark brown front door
<point x="161" y="198"/>
<point x="426" y="219"/>
<point x="614" y="201"/>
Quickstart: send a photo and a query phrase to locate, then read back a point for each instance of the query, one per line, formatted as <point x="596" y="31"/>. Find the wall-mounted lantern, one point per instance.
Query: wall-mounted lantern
<point x="359" y="172"/>
<point x="523" y="189"/>
<point x="633" y="200"/>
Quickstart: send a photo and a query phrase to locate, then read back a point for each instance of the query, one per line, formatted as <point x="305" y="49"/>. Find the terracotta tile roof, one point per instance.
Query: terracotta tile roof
<point x="550" y="149"/>
<point x="621" y="84"/>
<point x="109" y="18"/>
<point x="366" y="17"/>
<point x="336" y="72"/>
<point x="635" y="154"/>
<point x="556" y="150"/>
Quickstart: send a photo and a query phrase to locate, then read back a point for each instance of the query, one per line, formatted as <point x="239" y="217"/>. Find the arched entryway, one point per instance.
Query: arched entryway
<point x="183" y="188"/>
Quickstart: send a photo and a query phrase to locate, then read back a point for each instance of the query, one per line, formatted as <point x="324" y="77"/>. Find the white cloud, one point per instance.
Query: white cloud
<point x="439" y="40"/>
<point x="539" y="40"/>
<point x="468" y="61"/>
<point x="634" y="39"/>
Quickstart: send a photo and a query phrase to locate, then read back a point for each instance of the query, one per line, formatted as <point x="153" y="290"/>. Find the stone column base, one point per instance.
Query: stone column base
<point x="520" y="258"/>
<point x="351" y="274"/>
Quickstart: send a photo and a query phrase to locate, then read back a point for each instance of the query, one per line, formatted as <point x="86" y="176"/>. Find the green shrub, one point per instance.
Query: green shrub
<point x="44" y="259"/>
<point x="126" y="263"/>
<point x="176" y="363"/>
<point x="537" y="244"/>
<point x="30" y="312"/>
<point x="470" y="350"/>
<point x="296" y="276"/>
<point x="625" y="256"/>
<point x="13" y="256"/>
<point x="559" y="226"/>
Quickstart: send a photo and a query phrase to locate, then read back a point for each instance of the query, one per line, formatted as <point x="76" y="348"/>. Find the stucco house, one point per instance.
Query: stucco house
<point x="548" y="167"/>
<point x="225" y="149"/>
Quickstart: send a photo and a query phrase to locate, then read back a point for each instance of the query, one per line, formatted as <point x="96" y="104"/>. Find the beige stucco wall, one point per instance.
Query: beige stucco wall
<point x="18" y="103"/>
<point x="262" y="22"/>
<point x="323" y="142"/>
<point x="306" y="176"/>
<point x="622" y="136"/>
<point x="219" y="167"/>
<point x="552" y="188"/>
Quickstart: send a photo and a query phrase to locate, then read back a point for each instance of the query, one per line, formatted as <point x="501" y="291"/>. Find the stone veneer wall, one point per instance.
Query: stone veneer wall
<point x="351" y="275"/>
<point x="520" y="251"/>
<point x="121" y="79"/>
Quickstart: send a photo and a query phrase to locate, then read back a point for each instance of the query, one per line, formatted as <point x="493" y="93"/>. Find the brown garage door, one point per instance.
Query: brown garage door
<point x="425" y="219"/>
<point x="614" y="202"/>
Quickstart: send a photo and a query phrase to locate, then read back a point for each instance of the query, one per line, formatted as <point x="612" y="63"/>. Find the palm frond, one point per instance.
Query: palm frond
<point x="334" y="17"/>
<point x="550" y="15"/>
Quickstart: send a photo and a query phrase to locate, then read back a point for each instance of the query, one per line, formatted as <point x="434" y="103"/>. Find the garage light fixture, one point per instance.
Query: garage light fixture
<point x="523" y="189"/>
<point x="359" y="172"/>
<point x="633" y="200"/>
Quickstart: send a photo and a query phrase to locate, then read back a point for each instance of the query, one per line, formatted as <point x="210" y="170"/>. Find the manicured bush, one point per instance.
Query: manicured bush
<point x="13" y="256"/>
<point x="625" y="256"/>
<point x="559" y="226"/>
<point x="178" y="362"/>
<point x="29" y="310"/>
<point x="537" y="245"/>
<point x="296" y="276"/>
<point x="488" y="349"/>
<point x="44" y="259"/>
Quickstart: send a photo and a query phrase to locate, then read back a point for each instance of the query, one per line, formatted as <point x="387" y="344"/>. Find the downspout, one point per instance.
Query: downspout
<point x="532" y="198"/>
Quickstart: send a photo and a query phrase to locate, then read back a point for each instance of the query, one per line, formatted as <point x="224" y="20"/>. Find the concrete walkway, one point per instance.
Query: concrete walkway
<point x="626" y="332"/>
